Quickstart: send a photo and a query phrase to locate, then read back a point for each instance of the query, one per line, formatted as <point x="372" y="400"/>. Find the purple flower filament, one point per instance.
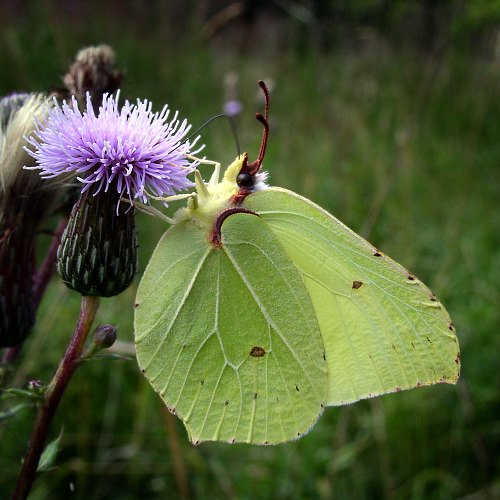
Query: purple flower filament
<point x="132" y="148"/>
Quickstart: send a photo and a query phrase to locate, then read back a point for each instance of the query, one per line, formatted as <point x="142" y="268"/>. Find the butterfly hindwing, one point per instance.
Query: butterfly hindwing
<point x="228" y="336"/>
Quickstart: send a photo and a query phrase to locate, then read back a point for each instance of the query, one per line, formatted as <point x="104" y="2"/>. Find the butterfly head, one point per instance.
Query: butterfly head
<point x="240" y="179"/>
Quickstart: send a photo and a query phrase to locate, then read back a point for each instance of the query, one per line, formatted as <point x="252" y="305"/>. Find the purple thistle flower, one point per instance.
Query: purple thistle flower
<point x="233" y="107"/>
<point x="134" y="148"/>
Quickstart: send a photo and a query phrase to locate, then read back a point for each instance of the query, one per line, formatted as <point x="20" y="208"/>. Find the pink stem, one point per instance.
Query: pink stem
<point x="53" y="394"/>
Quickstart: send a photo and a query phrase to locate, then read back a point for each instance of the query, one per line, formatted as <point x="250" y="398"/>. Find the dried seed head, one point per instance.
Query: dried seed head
<point x="23" y="194"/>
<point x="93" y="71"/>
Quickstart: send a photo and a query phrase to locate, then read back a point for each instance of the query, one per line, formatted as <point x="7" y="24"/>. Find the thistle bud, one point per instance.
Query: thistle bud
<point x="26" y="201"/>
<point x="36" y="386"/>
<point x="104" y="336"/>
<point x="98" y="254"/>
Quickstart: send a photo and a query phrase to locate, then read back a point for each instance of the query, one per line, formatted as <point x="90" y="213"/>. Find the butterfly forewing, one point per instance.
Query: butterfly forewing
<point x="383" y="330"/>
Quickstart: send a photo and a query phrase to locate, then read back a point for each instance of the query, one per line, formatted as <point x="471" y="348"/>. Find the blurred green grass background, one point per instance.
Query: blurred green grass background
<point x="387" y="115"/>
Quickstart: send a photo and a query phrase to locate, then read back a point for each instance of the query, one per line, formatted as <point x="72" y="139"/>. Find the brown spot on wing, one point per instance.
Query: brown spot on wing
<point x="257" y="352"/>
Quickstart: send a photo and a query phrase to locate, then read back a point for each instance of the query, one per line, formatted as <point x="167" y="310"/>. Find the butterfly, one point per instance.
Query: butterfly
<point x="258" y="309"/>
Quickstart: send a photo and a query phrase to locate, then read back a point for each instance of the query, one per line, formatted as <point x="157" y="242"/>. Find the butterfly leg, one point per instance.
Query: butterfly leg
<point x="214" y="179"/>
<point x="149" y="210"/>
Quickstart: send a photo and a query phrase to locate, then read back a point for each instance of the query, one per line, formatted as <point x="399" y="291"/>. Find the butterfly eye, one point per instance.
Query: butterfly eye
<point x="245" y="180"/>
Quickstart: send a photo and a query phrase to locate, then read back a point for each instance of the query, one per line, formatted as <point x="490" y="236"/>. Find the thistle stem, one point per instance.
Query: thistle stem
<point x="46" y="409"/>
<point x="42" y="277"/>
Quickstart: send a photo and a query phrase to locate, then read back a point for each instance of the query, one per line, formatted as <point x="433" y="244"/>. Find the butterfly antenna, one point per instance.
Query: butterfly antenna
<point x="232" y="123"/>
<point x="255" y="165"/>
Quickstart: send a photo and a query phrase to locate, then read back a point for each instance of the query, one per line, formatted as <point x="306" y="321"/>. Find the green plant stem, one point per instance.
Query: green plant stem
<point x="52" y="397"/>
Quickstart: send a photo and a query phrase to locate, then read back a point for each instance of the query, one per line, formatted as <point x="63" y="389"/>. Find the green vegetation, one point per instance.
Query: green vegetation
<point x="398" y="141"/>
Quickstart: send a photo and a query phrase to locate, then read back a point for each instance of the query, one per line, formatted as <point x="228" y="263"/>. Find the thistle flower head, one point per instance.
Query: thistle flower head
<point x="131" y="150"/>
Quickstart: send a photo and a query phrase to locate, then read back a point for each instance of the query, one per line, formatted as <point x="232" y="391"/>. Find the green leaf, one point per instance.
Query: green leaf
<point x="11" y="412"/>
<point x="26" y="393"/>
<point x="97" y="357"/>
<point x="49" y="454"/>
